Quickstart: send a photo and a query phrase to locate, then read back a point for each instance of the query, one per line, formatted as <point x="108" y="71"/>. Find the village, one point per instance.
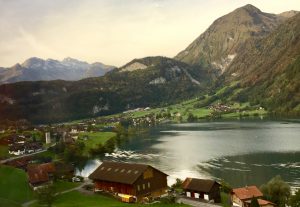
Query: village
<point x="136" y="183"/>
<point x="49" y="155"/>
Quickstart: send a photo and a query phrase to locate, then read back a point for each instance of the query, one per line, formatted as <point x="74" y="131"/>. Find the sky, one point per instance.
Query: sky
<point x="110" y="31"/>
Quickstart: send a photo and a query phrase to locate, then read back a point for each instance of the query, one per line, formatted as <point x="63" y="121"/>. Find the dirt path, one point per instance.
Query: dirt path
<point x="79" y="188"/>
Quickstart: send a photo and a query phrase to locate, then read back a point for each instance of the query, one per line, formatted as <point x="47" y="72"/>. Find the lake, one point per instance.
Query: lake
<point x="239" y="152"/>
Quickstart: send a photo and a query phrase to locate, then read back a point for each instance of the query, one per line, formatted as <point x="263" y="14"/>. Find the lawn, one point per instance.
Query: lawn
<point x="3" y="151"/>
<point x="201" y="112"/>
<point x="77" y="199"/>
<point x="47" y="154"/>
<point x="95" y="138"/>
<point x="14" y="186"/>
<point x="61" y="186"/>
<point x="8" y="203"/>
<point x="225" y="199"/>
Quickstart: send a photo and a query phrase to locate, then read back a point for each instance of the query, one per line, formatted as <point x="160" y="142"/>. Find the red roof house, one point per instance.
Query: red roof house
<point x="239" y="196"/>
<point x="41" y="174"/>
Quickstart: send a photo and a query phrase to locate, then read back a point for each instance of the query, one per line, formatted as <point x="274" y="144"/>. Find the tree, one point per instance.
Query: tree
<point x="99" y="150"/>
<point x="74" y="153"/>
<point x="254" y="202"/>
<point x="225" y="187"/>
<point x="178" y="183"/>
<point x="295" y="199"/>
<point x="277" y="191"/>
<point x="191" y="118"/>
<point x="121" y="131"/>
<point x="46" y="195"/>
<point x="110" y="145"/>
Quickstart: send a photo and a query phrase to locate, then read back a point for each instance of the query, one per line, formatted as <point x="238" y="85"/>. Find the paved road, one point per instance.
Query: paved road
<point x="196" y="203"/>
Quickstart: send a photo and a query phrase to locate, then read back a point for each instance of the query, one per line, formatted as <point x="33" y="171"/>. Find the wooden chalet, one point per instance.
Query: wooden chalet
<point x="201" y="189"/>
<point x="241" y="197"/>
<point x="40" y="174"/>
<point x="136" y="180"/>
<point x="64" y="170"/>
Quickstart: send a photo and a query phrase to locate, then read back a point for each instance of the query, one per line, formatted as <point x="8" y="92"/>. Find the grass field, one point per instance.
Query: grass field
<point x="8" y="203"/>
<point x="14" y="186"/>
<point x="225" y="199"/>
<point x="95" y="138"/>
<point x="61" y="186"/>
<point x="3" y="151"/>
<point x="77" y="199"/>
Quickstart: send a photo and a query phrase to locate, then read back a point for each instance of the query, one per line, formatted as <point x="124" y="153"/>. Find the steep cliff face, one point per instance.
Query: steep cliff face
<point x="225" y="38"/>
<point x="269" y="69"/>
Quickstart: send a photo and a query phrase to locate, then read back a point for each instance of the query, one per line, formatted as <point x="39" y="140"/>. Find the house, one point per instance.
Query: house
<point x="20" y="163"/>
<point x="64" y="170"/>
<point x="261" y="202"/>
<point x="40" y="174"/>
<point x="137" y="181"/>
<point x="241" y="196"/>
<point x="208" y="190"/>
<point x="16" y="149"/>
<point x="32" y="147"/>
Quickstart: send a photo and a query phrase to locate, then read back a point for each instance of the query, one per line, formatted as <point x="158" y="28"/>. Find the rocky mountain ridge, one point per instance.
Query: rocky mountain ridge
<point x="37" y="69"/>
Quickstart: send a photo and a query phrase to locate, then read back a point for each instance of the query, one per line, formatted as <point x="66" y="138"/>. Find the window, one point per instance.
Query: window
<point x="136" y="172"/>
<point x="122" y="170"/>
<point x="144" y="186"/>
<point x="138" y="188"/>
<point x="149" y="185"/>
<point x="102" y="168"/>
<point x="116" y="170"/>
<point x="108" y="169"/>
<point x="129" y="171"/>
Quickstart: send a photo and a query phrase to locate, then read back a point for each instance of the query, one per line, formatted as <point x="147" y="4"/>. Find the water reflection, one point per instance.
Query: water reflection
<point x="242" y="153"/>
<point x="254" y="169"/>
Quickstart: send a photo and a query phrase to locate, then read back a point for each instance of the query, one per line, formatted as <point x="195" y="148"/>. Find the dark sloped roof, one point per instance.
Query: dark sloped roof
<point x="199" y="185"/>
<point x="119" y="172"/>
<point x="39" y="173"/>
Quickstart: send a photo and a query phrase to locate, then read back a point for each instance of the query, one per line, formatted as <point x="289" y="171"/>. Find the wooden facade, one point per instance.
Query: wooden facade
<point x="114" y="187"/>
<point x="136" y="180"/>
<point x="152" y="183"/>
<point x="208" y="190"/>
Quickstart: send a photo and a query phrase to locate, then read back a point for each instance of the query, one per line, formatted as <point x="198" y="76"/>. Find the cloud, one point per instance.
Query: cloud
<point x="110" y="31"/>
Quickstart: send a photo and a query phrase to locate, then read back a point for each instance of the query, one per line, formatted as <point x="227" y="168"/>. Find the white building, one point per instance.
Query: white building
<point x="48" y="138"/>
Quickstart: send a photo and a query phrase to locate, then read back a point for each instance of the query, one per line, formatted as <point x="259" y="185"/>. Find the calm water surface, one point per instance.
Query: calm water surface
<point x="241" y="152"/>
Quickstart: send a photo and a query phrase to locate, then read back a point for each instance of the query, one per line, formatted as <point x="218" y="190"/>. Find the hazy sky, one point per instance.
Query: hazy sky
<point x="110" y="31"/>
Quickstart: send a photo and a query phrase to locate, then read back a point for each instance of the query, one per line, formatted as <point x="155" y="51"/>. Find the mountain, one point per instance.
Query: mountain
<point x="263" y="70"/>
<point x="36" y="69"/>
<point x="288" y="14"/>
<point x="268" y="69"/>
<point x="162" y="81"/>
<point x="225" y="38"/>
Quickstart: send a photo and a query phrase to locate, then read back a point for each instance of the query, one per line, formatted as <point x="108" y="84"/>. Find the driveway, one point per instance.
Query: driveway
<point x="196" y="203"/>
